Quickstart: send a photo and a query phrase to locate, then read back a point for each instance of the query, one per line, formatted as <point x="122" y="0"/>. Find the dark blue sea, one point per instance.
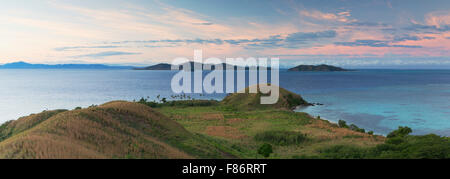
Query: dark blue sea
<point x="378" y="100"/>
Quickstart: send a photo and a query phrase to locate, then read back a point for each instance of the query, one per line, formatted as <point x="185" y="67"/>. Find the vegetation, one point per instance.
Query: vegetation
<point x="11" y="128"/>
<point x="353" y="127"/>
<point x="265" y="150"/>
<point x="189" y="128"/>
<point x="400" y="132"/>
<point x="112" y="130"/>
<point x="252" y="101"/>
<point x="356" y="128"/>
<point x="342" y="124"/>
<point x="281" y="137"/>
<point x="177" y="103"/>
<point x="399" y="145"/>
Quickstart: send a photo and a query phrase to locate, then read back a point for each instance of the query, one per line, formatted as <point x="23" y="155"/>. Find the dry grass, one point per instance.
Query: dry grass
<point x="240" y="127"/>
<point x="212" y="116"/>
<point x="224" y="131"/>
<point x="236" y="120"/>
<point x="121" y="129"/>
<point x="113" y="130"/>
<point x="251" y="101"/>
<point x="331" y="131"/>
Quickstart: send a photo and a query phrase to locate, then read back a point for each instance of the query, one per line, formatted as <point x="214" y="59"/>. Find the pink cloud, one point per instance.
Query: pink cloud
<point x="438" y="19"/>
<point x="340" y="17"/>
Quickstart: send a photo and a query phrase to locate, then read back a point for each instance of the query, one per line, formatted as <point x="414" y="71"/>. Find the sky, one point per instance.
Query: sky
<point x="367" y="33"/>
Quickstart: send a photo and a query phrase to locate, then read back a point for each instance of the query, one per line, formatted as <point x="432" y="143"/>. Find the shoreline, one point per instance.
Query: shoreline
<point x="328" y="120"/>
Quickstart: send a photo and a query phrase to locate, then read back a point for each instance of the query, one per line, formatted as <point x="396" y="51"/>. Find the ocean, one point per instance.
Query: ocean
<point x="377" y="100"/>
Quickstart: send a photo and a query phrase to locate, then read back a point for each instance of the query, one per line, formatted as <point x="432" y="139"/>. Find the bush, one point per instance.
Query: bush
<point x="342" y="124"/>
<point x="178" y="103"/>
<point x="281" y="137"/>
<point x="343" y="152"/>
<point x="265" y="150"/>
<point x="400" y="145"/>
<point x="353" y="127"/>
<point x="400" y="132"/>
<point x="294" y="101"/>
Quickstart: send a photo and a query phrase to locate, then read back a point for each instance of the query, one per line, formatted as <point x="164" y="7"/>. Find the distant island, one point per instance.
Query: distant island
<point x="322" y="67"/>
<point x="161" y="66"/>
<point x="166" y="66"/>
<point x="24" y="65"/>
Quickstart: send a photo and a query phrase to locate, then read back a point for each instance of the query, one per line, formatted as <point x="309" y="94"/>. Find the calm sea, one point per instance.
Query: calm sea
<point x="378" y="100"/>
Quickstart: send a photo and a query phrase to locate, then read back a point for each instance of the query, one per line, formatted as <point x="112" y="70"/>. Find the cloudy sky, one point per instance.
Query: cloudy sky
<point x="339" y="32"/>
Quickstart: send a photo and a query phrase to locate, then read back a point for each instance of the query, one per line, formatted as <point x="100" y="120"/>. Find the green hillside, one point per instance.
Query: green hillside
<point x="237" y="127"/>
<point x="113" y="130"/>
<point x="247" y="101"/>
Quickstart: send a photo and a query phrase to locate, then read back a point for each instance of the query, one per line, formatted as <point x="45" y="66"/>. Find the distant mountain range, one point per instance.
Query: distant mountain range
<point x="24" y="65"/>
<point x="161" y="66"/>
<point x="317" y="68"/>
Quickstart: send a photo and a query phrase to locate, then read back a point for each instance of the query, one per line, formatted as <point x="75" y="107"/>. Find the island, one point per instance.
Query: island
<point x="322" y="67"/>
<point x="166" y="66"/>
<point x="161" y="66"/>
<point x="237" y="127"/>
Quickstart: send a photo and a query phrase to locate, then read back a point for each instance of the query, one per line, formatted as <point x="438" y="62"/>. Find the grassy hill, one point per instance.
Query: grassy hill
<point x="236" y="127"/>
<point x="247" y="101"/>
<point x="113" y="130"/>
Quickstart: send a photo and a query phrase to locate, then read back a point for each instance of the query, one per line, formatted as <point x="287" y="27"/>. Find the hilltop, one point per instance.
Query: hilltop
<point x="113" y="130"/>
<point x="287" y="100"/>
<point x="236" y="127"/>
<point x="317" y="68"/>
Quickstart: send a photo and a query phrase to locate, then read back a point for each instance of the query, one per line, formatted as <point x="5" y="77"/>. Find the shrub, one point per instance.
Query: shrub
<point x="400" y="145"/>
<point x="342" y="124"/>
<point x="370" y="132"/>
<point x="400" y="132"/>
<point x="163" y="100"/>
<point x="354" y="127"/>
<point x="281" y="137"/>
<point x="265" y="150"/>
<point x="343" y="152"/>
<point x="178" y="103"/>
<point x="294" y="101"/>
<point x="352" y="136"/>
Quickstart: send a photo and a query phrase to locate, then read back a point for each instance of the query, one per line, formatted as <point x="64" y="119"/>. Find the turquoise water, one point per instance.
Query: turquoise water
<point x="378" y="100"/>
<point x="382" y="100"/>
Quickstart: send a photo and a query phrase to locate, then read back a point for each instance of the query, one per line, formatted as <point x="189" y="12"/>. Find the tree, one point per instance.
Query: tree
<point x="265" y="150"/>
<point x="342" y="124"/>
<point x="400" y="132"/>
